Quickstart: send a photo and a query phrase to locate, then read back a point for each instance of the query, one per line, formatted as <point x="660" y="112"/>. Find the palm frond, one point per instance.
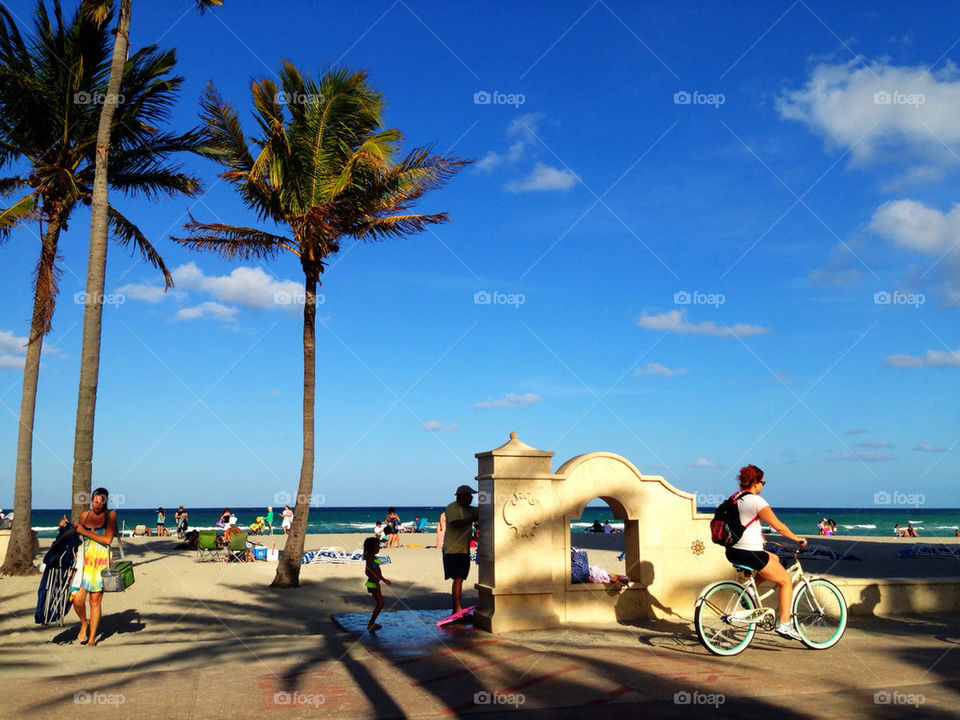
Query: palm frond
<point x="233" y="242"/>
<point x="394" y="226"/>
<point x="127" y="234"/>
<point x="225" y="141"/>
<point x="12" y="216"/>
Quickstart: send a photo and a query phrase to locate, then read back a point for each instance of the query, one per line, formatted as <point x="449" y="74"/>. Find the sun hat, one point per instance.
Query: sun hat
<point x="465" y="490"/>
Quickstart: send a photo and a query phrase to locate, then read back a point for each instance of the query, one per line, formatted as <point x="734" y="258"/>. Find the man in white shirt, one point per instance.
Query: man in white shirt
<point x="461" y="516"/>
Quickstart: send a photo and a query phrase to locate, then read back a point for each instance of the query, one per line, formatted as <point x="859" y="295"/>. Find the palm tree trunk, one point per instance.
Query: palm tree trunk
<point x="288" y="570"/>
<point x="23" y="546"/>
<point x="96" y="274"/>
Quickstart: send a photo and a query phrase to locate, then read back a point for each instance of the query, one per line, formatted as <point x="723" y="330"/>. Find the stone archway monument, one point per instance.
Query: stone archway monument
<point x="525" y="513"/>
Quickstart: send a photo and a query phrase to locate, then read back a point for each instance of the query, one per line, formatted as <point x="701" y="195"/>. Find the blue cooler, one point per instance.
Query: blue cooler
<point x="260" y="553"/>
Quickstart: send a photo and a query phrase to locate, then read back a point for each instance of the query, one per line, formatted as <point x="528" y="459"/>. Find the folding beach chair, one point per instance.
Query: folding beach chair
<point x="238" y="547"/>
<point x="207" y="545"/>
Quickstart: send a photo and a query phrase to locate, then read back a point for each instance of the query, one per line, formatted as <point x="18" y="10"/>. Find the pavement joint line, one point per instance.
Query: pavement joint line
<point x="474" y="668"/>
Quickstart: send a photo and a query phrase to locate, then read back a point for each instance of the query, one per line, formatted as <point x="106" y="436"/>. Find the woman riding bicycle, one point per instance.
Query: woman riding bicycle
<point x="749" y="550"/>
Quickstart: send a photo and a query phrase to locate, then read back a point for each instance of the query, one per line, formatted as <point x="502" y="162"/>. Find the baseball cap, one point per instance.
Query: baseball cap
<point x="465" y="490"/>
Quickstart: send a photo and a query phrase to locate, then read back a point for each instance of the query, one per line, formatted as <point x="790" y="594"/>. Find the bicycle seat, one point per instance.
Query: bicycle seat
<point x="743" y="568"/>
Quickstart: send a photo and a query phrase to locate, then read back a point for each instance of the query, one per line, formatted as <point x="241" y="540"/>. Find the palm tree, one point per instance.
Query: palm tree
<point x="326" y="172"/>
<point x="49" y="88"/>
<point x="100" y="10"/>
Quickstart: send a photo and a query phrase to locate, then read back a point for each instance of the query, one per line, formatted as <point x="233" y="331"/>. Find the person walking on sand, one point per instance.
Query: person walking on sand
<point x="392" y="528"/>
<point x="268" y="518"/>
<point x="161" y="520"/>
<point x="749" y="550"/>
<point x="460" y="516"/>
<point x="181" y="517"/>
<point x="97" y="526"/>
<point x="371" y="546"/>
<point x="287" y="521"/>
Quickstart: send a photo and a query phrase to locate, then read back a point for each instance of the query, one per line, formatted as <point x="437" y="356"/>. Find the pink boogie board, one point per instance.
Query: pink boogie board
<point x="456" y="616"/>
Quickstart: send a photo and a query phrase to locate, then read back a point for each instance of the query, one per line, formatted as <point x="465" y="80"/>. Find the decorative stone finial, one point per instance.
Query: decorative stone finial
<point x="513" y="436"/>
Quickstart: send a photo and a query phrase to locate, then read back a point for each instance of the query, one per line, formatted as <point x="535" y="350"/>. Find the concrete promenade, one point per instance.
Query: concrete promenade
<point x="902" y="667"/>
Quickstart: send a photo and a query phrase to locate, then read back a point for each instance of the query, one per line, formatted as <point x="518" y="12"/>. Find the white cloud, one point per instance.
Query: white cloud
<point x="932" y="358"/>
<point x="875" y="444"/>
<point x="525" y="127"/>
<point x="509" y="400"/>
<point x="208" y="309"/>
<point x="247" y="286"/>
<point x="10" y="343"/>
<point x="880" y="109"/>
<point x="861" y="457"/>
<point x="675" y="321"/>
<point x="146" y="293"/>
<point x="659" y="370"/>
<point x="927" y="447"/>
<point x="436" y="425"/>
<point x="915" y="226"/>
<point x="543" y="177"/>
<point x="12" y="362"/>
<point x="856" y="431"/>
<point x="492" y="159"/>
<point x="702" y="463"/>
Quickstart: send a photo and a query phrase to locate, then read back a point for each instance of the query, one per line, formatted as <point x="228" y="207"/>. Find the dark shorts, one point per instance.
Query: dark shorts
<point x="756" y="559"/>
<point x="456" y="566"/>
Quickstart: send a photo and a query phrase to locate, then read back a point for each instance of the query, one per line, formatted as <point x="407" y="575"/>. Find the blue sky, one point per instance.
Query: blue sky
<point x="697" y="236"/>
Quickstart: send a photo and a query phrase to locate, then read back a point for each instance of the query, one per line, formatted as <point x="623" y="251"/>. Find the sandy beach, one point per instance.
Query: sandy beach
<point x="216" y="628"/>
<point x="178" y="600"/>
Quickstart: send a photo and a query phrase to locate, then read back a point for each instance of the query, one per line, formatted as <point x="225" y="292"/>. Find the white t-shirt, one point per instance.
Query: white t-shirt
<point x="749" y="505"/>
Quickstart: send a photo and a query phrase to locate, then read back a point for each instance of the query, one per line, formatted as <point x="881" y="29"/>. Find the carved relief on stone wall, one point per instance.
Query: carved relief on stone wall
<point x="523" y="513"/>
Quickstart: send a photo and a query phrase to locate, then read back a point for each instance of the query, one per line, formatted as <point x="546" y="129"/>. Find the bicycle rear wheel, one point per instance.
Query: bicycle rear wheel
<point x="819" y="613"/>
<point x="719" y="632"/>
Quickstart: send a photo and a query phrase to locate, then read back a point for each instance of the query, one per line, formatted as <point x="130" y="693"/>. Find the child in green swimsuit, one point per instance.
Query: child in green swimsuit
<point x="371" y="546"/>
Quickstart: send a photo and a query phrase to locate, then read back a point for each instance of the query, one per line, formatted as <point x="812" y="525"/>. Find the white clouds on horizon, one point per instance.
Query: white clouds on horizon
<point x="675" y="321"/>
<point x="869" y="109"/>
<point x="12" y="344"/>
<point x="209" y="309"/>
<point x="509" y="400"/>
<point x="932" y="358"/>
<point x="543" y="177"/>
<point x="659" y="370"/>
<point x="928" y="447"/>
<point x="437" y="426"/>
<point x="702" y="462"/>
<point x="861" y="457"/>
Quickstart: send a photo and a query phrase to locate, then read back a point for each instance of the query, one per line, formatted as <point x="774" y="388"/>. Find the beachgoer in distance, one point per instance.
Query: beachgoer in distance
<point x="287" y="521"/>
<point x="460" y="517"/>
<point x="268" y="518"/>
<point x="161" y="519"/>
<point x="596" y="527"/>
<point x="607" y="527"/>
<point x="911" y="531"/>
<point x="224" y="518"/>
<point x="441" y="529"/>
<point x="749" y="550"/>
<point x="392" y="523"/>
<point x="897" y="532"/>
<point x="97" y="526"/>
<point x="371" y="546"/>
<point x="181" y="517"/>
<point x="378" y="531"/>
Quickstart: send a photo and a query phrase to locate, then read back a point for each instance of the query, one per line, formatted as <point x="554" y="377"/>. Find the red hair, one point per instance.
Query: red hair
<point x="749" y="474"/>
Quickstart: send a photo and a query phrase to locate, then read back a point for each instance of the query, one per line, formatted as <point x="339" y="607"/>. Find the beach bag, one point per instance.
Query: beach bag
<point x="725" y="527"/>
<point x="117" y="576"/>
<point x="579" y="568"/>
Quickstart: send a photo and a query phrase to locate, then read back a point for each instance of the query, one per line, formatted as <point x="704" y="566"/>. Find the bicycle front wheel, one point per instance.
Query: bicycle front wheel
<point x="721" y="620"/>
<point x="819" y="613"/>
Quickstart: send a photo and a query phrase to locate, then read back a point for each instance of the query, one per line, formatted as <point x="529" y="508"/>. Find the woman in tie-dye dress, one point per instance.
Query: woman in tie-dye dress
<point x="97" y="526"/>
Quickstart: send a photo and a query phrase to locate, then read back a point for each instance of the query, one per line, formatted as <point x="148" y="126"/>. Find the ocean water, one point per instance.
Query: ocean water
<point x="929" y="522"/>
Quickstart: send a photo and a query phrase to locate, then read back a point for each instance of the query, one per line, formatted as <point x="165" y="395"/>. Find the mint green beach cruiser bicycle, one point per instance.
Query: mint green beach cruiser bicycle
<point x="728" y="612"/>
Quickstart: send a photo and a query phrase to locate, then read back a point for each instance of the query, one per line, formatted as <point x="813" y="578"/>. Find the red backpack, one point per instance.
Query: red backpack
<point x="726" y="528"/>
